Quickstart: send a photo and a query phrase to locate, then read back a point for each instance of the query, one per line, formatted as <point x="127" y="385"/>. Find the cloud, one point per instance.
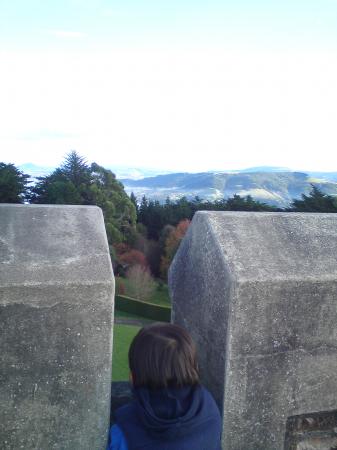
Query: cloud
<point x="66" y="34"/>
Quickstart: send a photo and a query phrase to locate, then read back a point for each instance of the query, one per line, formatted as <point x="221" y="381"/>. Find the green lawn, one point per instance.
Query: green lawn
<point x="123" y="335"/>
<point x="161" y="296"/>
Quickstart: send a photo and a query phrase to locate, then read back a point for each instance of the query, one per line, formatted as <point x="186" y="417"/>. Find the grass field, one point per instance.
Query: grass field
<point x="123" y="335"/>
<point x="161" y="295"/>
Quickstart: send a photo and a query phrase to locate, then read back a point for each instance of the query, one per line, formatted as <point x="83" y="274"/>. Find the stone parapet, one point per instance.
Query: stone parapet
<point x="56" y="312"/>
<point x="258" y="292"/>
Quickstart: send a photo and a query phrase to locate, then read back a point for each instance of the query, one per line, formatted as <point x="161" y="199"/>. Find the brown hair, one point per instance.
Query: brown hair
<point x="163" y="355"/>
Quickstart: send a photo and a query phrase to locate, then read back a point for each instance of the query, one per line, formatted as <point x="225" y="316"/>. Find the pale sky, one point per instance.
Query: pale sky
<point x="179" y="85"/>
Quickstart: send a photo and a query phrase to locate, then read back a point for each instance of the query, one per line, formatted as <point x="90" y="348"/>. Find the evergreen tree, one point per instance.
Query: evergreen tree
<point x="155" y="216"/>
<point x="237" y="203"/>
<point x="133" y="198"/>
<point x="68" y="184"/>
<point x="316" y="201"/>
<point x="55" y="189"/>
<point x="76" y="170"/>
<point x="13" y="184"/>
<point x="77" y="183"/>
<point x="119" y="211"/>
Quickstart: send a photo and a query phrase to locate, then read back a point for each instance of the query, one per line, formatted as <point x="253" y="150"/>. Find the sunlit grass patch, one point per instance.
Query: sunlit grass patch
<point x="123" y="335"/>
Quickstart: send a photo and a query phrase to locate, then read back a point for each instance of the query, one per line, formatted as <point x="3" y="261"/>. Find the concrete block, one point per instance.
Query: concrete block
<point x="56" y="313"/>
<point x="258" y="292"/>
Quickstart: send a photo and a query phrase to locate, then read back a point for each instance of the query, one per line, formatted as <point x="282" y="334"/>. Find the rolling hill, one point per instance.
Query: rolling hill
<point x="273" y="187"/>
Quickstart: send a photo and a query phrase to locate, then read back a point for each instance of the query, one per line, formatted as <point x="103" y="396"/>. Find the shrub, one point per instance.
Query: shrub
<point x="144" y="309"/>
<point x="133" y="257"/>
<point x="141" y="284"/>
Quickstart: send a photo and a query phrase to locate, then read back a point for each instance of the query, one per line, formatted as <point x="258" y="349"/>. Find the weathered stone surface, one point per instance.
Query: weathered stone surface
<point x="318" y="444"/>
<point x="56" y="306"/>
<point x="258" y="292"/>
<point x="312" y="432"/>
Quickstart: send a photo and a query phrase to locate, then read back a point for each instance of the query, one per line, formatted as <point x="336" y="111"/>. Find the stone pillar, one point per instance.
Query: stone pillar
<point x="258" y="292"/>
<point x="56" y="307"/>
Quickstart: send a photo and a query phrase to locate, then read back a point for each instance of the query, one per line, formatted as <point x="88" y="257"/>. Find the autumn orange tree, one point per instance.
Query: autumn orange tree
<point x="128" y="257"/>
<point x="171" y="245"/>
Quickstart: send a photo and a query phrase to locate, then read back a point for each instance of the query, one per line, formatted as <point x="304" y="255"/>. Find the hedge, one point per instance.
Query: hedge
<point x="144" y="309"/>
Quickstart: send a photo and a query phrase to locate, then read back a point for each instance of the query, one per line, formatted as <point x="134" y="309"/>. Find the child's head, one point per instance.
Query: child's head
<point x="163" y="355"/>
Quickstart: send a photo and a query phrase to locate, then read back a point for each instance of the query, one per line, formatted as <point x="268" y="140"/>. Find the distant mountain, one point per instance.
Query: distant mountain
<point x="274" y="187"/>
<point x="326" y="176"/>
<point x="263" y="169"/>
<point x="135" y="173"/>
<point x="35" y="170"/>
<point x="121" y="172"/>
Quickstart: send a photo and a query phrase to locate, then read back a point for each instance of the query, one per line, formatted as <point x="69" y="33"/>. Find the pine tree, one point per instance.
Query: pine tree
<point x="76" y="169"/>
<point x="13" y="184"/>
<point x="316" y="201"/>
<point x="133" y="198"/>
<point x="77" y="183"/>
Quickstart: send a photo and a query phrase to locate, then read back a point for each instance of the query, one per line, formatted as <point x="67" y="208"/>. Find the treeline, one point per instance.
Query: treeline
<point x="141" y="232"/>
<point x="75" y="182"/>
<point x="154" y="215"/>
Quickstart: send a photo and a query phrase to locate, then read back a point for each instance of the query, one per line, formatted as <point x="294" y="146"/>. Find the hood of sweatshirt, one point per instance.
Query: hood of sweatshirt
<point x="171" y="413"/>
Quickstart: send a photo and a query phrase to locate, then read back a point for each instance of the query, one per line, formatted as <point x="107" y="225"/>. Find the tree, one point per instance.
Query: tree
<point x="77" y="183"/>
<point x="68" y="184"/>
<point x="133" y="198"/>
<point x="150" y="248"/>
<point x="238" y="203"/>
<point x="13" y="184"/>
<point x="55" y="189"/>
<point x="171" y="245"/>
<point x="75" y="168"/>
<point x="119" y="211"/>
<point x="128" y="257"/>
<point x="152" y="215"/>
<point x="316" y="201"/>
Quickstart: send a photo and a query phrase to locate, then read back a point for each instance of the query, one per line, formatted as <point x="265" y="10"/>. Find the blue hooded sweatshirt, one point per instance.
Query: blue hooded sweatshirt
<point x="168" y="419"/>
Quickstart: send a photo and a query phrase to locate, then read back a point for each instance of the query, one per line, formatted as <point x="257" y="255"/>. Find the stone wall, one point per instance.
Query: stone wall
<point x="258" y="292"/>
<point x="56" y="308"/>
